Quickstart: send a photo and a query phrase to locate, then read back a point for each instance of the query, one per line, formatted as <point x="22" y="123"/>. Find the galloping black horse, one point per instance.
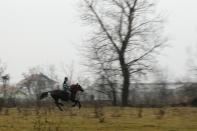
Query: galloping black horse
<point x="63" y="95"/>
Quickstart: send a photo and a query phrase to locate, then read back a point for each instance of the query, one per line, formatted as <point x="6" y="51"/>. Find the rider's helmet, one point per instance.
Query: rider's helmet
<point x="66" y="78"/>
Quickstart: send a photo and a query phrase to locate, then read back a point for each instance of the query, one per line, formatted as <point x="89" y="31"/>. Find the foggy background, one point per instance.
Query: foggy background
<point x="44" y="32"/>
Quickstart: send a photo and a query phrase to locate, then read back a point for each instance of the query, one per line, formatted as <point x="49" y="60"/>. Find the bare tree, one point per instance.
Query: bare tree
<point x="107" y="79"/>
<point x="109" y="85"/>
<point x="2" y="68"/>
<point x="191" y="65"/>
<point x="51" y="72"/>
<point x="125" y="37"/>
<point x="4" y="78"/>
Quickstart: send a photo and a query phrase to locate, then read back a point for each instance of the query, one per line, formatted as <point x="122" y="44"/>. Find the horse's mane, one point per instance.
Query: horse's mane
<point x="73" y="86"/>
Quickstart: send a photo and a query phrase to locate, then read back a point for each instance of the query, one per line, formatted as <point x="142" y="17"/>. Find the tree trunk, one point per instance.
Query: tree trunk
<point x="125" y="90"/>
<point x="114" y="102"/>
<point x="126" y="81"/>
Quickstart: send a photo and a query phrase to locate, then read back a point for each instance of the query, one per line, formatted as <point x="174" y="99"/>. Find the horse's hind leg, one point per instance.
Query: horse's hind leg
<point x="61" y="104"/>
<point x="58" y="104"/>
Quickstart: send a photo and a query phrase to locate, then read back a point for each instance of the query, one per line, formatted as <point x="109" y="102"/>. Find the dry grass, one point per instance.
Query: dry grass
<point x="103" y="119"/>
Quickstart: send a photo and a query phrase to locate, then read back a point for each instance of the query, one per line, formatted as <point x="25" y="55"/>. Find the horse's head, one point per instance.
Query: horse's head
<point x="76" y="88"/>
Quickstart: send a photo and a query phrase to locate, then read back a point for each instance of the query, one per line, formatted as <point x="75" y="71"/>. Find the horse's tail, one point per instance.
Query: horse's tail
<point x="43" y="95"/>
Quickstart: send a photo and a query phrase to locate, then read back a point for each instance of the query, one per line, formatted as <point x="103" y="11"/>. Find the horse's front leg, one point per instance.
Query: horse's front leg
<point x="79" y="104"/>
<point x="58" y="105"/>
<point x="74" y="101"/>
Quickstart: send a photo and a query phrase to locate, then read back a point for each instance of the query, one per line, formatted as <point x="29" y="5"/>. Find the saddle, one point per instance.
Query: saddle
<point x="68" y="92"/>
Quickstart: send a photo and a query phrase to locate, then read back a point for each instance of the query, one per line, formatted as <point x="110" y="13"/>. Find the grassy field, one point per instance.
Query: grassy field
<point x="99" y="119"/>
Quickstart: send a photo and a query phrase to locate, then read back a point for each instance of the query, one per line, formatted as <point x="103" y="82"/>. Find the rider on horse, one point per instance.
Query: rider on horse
<point x="66" y="87"/>
<point x="62" y="95"/>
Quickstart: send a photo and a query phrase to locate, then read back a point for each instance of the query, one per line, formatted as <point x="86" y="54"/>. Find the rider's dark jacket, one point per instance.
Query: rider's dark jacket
<point x="66" y="86"/>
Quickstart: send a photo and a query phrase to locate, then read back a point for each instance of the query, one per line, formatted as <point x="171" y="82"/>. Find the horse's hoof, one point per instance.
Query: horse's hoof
<point x="73" y="105"/>
<point x="61" y="109"/>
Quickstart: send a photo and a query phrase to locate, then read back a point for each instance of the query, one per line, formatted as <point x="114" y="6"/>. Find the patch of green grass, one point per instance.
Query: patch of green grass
<point x="111" y="119"/>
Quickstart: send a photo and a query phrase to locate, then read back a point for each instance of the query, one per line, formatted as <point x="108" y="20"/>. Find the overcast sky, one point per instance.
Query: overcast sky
<point x="42" y="32"/>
